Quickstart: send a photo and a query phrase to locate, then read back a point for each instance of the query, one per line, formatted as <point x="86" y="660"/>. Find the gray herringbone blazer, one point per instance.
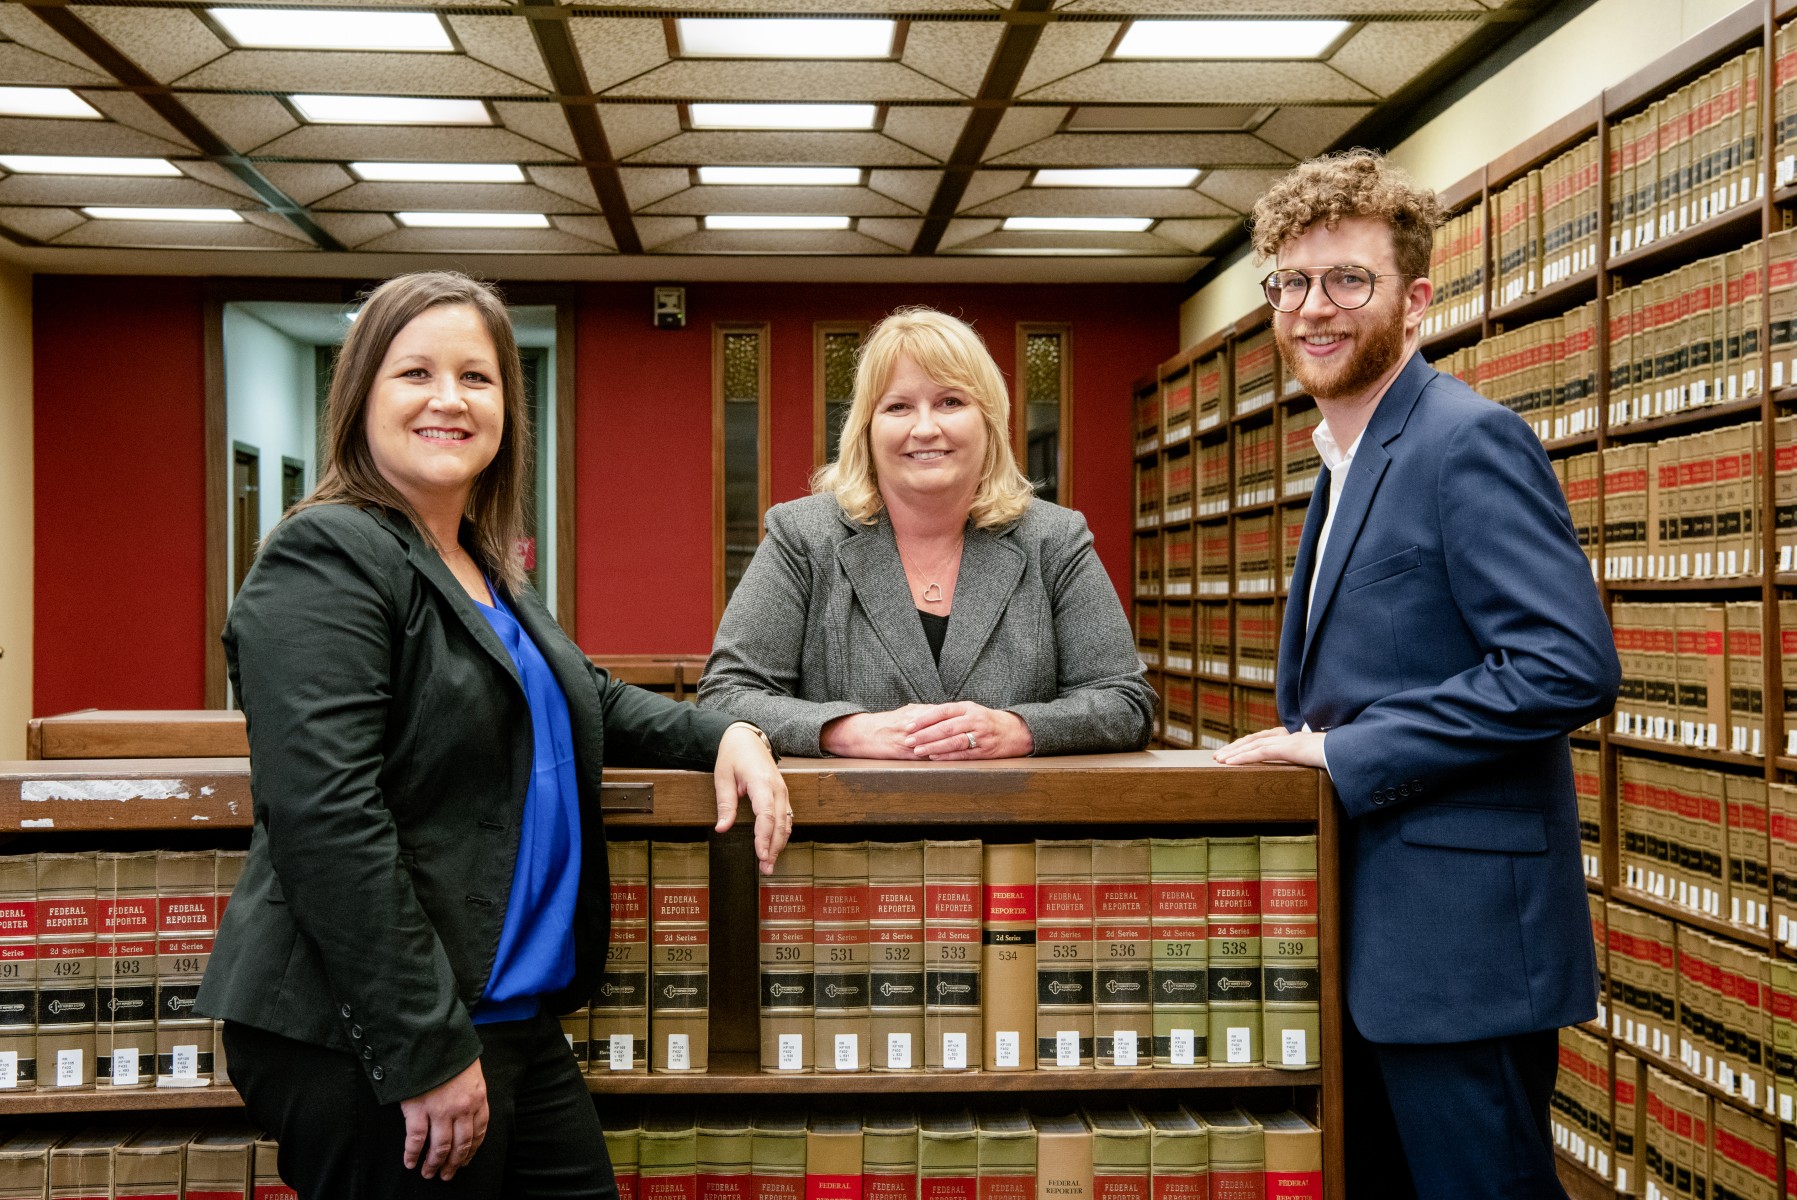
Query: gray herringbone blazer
<point x="823" y="625"/>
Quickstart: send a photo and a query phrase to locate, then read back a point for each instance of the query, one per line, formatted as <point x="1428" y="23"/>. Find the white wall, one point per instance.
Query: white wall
<point x="269" y="382"/>
<point x="1600" y="47"/>
<point x="16" y="510"/>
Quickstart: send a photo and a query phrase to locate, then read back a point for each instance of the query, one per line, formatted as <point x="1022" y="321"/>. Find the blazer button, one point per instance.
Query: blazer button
<point x="355" y="1031"/>
<point x="1378" y="797"/>
<point x="377" y="1074"/>
<point x="347" y="1012"/>
<point x="1403" y="791"/>
<point x="367" y="1052"/>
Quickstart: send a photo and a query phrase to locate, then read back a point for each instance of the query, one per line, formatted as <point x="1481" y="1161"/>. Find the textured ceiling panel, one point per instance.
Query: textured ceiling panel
<point x="505" y="43"/>
<point x="827" y="201"/>
<point x="572" y="182"/>
<point x="953" y="52"/>
<point x="613" y="50"/>
<point x="76" y="190"/>
<point x="352" y="229"/>
<point x="21" y="25"/>
<point x="32" y="135"/>
<point x="541" y="122"/>
<point x="245" y="122"/>
<point x="1145" y="150"/>
<point x="306" y="182"/>
<point x="633" y="127"/>
<point x="399" y="143"/>
<point x="1206" y="83"/>
<point x="166" y="42"/>
<point x="916" y="188"/>
<point x="452" y="197"/>
<point x="482" y="241"/>
<point x="219" y="177"/>
<point x="277" y="224"/>
<point x="1238" y="189"/>
<point x="1195" y="235"/>
<point x="21" y="65"/>
<point x="1385" y="57"/>
<point x="1100" y="202"/>
<point x="1303" y="132"/>
<point x="1267" y="8"/>
<point x="40" y="223"/>
<point x="132" y="112"/>
<point x="707" y="241"/>
<point x="1021" y="126"/>
<point x="593" y="229"/>
<point x="1126" y="243"/>
<point x="964" y="230"/>
<point x="176" y="235"/>
<point x="1064" y="49"/>
<point x="808" y="7"/>
<point x="782" y="149"/>
<point x="932" y="130"/>
<point x="987" y="185"/>
<point x="643" y="186"/>
<point x="802" y="82"/>
<point x="656" y="232"/>
<point x="377" y="74"/>
<point x="897" y="232"/>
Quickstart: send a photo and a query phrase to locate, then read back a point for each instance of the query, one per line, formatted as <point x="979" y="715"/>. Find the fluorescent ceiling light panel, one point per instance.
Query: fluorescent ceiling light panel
<point x="757" y="221"/>
<point x="332" y="29"/>
<point x="410" y="172"/>
<point x="783" y="116"/>
<point x="1229" y="39"/>
<point x="222" y="216"/>
<point x="784" y="37"/>
<point x="389" y="110"/>
<point x="45" y="102"/>
<point x="1077" y="224"/>
<point x="783" y="176"/>
<point x="473" y="220"/>
<point x="1039" y="251"/>
<point x="81" y="164"/>
<point x="1117" y="177"/>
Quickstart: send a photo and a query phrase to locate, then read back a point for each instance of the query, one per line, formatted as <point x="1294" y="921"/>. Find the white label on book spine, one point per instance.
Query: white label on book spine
<point x="898" y="1051"/>
<point x="9" y="1068"/>
<point x="680" y="1055"/>
<point x="848" y="1051"/>
<point x="68" y="1068"/>
<point x="570" y="1040"/>
<point x="1784" y="1107"/>
<point x="1291" y="1048"/>
<point x="791" y="1054"/>
<point x="1007" y="1048"/>
<point x="1237" y="1043"/>
<point x="1182" y="1048"/>
<point x="124" y="1066"/>
<point x="1066" y="1048"/>
<point x="184" y="1062"/>
<point x="1123" y="1048"/>
<point x="954" y="1051"/>
<point x="618" y="1048"/>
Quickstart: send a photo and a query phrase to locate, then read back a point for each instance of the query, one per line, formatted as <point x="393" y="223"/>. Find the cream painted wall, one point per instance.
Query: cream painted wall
<point x="15" y="509"/>
<point x="1548" y="81"/>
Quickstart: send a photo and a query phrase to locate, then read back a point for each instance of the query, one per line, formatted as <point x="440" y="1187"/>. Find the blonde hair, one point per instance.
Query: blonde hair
<point x="1354" y="183"/>
<point x="952" y="354"/>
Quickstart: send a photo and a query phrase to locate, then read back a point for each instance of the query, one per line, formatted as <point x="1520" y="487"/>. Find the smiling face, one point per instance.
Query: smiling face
<point x="928" y="440"/>
<point x="435" y="414"/>
<point x="1343" y="354"/>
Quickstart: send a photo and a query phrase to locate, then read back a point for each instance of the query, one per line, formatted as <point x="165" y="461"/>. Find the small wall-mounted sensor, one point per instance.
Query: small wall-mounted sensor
<point x="670" y="308"/>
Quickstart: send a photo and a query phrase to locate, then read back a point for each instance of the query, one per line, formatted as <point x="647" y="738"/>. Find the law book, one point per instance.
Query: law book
<point x="68" y="970"/>
<point x="1784" y="493"/>
<point x="788" y="995"/>
<point x="1121" y="1154"/>
<point x="1064" y="946"/>
<point x="147" y="1166"/>
<point x="1118" y="903"/>
<point x="1748" y="861"/>
<point x="840" y="932"/>
<point x="25" y="1162"/>
<point x="220" y="1164"/>
<point x="1783" y="987"/>
<point x="577" y="1031"/>
<point x="1626" y="1120"/>
<point x="1600" y="939"/>
<point x="777" y="1156"/>
<point x="1744" y="636"/>
<point x="1238" y="1162"/>
<point x="722" y="1154"/>
<point x="833" y="1163"/>
<point x="1148" y="633"/>
<point x="1176" y="408"/>
<point x="1179" y="895"/>
<point x="1006" y="1156"/>
<point x="1702" y="675"/>
<point x="623" y="1134"/>
<point x="1787" y="658"/>
<point x="1177" y="563"/>
<point x="1587" y="786"/>
<point x="667" y="1148"/>
<point x="895" y="920"/>
<point x="81" y="1164"/>
<point x="126" y="956"/>
<point x="18" y="972"/>
<point x="186" y="922"/>
<point x="1744" y="1157"/>
<point x="952" y="1012"/>
<point x="1178" y="1156"/>
<point x="1177" y="484"/>
<point x="620" y="1011"/>
<point x="1291" y="985"/>
<point x="679" y="957"/>
<point x="1293" y="1149"/>
<point x="1008" y="956"/>
<point x="889" y="1156"/>
<point x="948" y="1157"/>
<point x="1781" y="848"/>
<point x="1064" y="1157"/>
<point x="265" y="1172"/>
<point x="1234" y="967"/>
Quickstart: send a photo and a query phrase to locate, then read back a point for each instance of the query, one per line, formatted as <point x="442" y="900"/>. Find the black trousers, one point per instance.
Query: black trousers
<point x="339" y="1143"/>
<point x="1462" y="1121"/>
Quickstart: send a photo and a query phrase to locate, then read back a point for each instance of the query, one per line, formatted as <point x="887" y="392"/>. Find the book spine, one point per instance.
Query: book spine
<point x="1064" y="945"/>
<point x="840" y="1031"/>
<point x="67" y="954"/>
<point x="1123" y="952"/>
<point x="833" y="1160"/>
<point x="19" y="907"/>
<point x="1181" y="900"/>
<point x="1294" y="1160"/>
<point x="668" y="1160"/>
<point x="679" y="961"/>
<point x="947" y="1158"/>
<point x="127" y="970"/>
<point x="1234" y="968"/>
<point x="895" y="919"/>
<point x="623" y="1133"/>
<point x="619" y="1034"/>
<point x="777" y="1161"/>
<point x="1008" y="956"/>
<point x="953" y="1003"/>
<point x="788" y="996"/>
<point x="722" y="1153"/>
<point x="1291" y="980"/>
<point x="186" y="923"/>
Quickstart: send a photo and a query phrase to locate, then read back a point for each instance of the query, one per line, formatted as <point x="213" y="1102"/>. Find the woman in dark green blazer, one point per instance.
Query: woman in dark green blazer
<point x="426" y="886"/>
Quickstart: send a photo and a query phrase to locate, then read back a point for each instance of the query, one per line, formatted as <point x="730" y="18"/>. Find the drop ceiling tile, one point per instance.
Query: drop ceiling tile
<point x="1384" y="57"/>
<point x="615" y="49"/>
<point x="77" y="190"/>
<point x="1121" y="243"/>
<point x="40" y="135"/>
<point x="220" y="177"/>
<point x="827" y="201"/>
<point x="899" y="233"/>
<point x="23" y="66"/>
<point x="989" y="185"/>
<point x="481" y="241"/>
<point x="963" y="229"/>
<point x="631" y="128"/>
<point x="956" y="53"/>
<point x="1143" y="150"/>
<point x="21" y="25"/>
<point x="1303" y="132"/>
<point x="915" y="188"/>
<point x="719" y="148"/>
<point x="245" y="122"/>
<point x="593" y="229"/>
<point x="808" y="7"/>
<point x="798" y="82"/>
<point x="1262" y="8"/>
<point x="451" y="197"/>
<point x="543" y="122"/>
<point x="1100" y="202"/>
<point x="655" y="232"/>
<point x="132" y="112"/>
<point x="1064" y="48"/>
<point x="1206" y="83"/>
<point x="353" y="229"/>
<point x="572" y="182"/>
<point x="40" y="223"/>
<point x="505" y="43"/>
<point x="374" y="73"/>
<point x="402" y="143"/>
<point x="176" y="235"/>
<point x="1020" y="126"/>
<point x="803" y="242"/>
<point x="277" y="224"/>
<point x="932" y="130"/>
<point x="1237" y="188"/>
<point x="166" y="42"/>
<point x="306" y="183"/>
<point x="644" y="186"/>
<point x="1196" y="235"/>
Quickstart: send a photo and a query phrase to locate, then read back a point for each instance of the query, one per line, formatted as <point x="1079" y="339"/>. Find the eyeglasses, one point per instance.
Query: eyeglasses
<point x="1346" y="286"/>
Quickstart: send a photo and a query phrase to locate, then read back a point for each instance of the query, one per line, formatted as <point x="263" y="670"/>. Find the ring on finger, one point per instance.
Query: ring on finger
<point x="972" y="742"/>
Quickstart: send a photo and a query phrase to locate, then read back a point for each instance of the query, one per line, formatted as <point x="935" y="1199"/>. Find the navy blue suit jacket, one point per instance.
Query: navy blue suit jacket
<point x="1456" y="638"/>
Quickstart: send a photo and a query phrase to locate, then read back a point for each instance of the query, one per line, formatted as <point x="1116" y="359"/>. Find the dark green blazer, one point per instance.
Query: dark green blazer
<point x="390" y="752"/>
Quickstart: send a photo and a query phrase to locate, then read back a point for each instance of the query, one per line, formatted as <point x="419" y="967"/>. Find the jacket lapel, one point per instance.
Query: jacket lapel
<point x="428" y="563"/>
<point x="870" y="560"/>
<point x="990" y="570"/>
<point x="1293" y="639"/>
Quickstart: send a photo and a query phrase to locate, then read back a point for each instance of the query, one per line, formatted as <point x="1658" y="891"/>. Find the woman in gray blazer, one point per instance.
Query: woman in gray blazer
<point x="922" y="603"/>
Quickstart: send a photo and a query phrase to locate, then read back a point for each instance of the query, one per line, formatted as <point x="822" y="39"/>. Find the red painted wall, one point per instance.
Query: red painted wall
<point x="117" y="387"/>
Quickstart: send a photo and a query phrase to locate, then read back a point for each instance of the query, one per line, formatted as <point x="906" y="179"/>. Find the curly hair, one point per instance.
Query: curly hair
<point x="1354" y="183"/>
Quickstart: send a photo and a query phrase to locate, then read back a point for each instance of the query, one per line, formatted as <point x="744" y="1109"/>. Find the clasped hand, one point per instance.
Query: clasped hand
<point x="937" y="732"/>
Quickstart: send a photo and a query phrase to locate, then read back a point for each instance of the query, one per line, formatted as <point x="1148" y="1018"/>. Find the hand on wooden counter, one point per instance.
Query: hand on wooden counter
<point x="745" y="767"/>
<point x="1274" y="745"/>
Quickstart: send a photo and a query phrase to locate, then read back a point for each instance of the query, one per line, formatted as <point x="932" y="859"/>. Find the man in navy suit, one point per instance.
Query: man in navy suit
<point x="1442" y="637"/>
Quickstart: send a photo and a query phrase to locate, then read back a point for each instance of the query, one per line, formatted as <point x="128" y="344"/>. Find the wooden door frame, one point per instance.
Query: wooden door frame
<point x="1020" y="409"/>
<point x="820" y="332"/>
<point x="719" y="330"/>
<point x="238" y="450"/>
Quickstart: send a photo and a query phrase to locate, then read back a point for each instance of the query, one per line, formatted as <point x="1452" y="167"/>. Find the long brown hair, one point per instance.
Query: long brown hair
<point x="350" y="476"/>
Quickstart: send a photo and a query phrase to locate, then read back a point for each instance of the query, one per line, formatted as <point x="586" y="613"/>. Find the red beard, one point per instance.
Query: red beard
<point x="1375" y="349"/>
